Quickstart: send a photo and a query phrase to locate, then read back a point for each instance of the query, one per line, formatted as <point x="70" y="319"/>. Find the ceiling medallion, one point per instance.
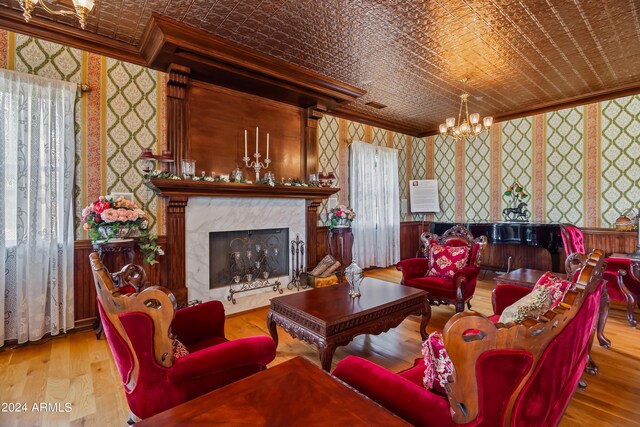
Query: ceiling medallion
<point x="83" y="7"/>
<point x="468" y="125"/>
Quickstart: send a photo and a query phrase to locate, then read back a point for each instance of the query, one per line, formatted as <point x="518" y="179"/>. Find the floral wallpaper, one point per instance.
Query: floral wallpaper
<point x="579" y="165"/>
<point x="114" y="121"/>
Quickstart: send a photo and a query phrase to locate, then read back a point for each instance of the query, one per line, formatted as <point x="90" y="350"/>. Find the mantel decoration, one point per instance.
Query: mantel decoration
<point x="150" y="160"/>
<point x="354" y="277"/>
<point x="325" y="179"/>
<point x="111" y="218"/>
<point x="340" y="217"/>
<point x="468" y="125"/>
<point x="518" y="210"/>
<point x="256" y="164"/>
<point x="82" y="9"/>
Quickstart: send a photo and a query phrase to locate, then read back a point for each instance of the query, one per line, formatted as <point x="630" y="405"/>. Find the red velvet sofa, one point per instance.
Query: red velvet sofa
<point x="514" y="375"/>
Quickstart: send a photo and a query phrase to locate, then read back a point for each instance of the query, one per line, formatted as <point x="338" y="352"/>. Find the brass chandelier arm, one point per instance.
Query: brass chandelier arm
<point x="80" y="12"/>
<point x="43" y="3"/>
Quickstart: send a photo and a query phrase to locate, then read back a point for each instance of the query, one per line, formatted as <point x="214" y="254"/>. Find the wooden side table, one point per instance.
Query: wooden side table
<point x="341" y="247"/>
<point x="115" y="248"/>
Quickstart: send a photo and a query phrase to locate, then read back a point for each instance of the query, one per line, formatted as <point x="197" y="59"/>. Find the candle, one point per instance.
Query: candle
<point x="267" y="145"/>
<point x="245" y="143"/>
<point x="256" y="139"/>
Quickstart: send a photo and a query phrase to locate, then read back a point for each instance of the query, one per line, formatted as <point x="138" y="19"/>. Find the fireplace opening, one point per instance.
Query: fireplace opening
<point x="247" y="256"/>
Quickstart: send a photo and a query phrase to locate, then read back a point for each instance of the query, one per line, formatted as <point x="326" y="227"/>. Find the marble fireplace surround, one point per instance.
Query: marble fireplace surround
<point x="210" y="214"/>
<point x="196" y="206"/>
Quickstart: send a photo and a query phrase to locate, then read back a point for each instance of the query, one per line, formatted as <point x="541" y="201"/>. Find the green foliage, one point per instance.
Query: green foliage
<point x="516" y="191"/>
<point x="149" y="247"/>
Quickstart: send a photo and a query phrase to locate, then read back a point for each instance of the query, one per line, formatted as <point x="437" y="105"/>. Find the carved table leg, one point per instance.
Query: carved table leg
<point x="273" y="330"/>
<point x="99" y="329"/>
<point x="325" y="351"/>
<point x="603" y="314"/>
<point x="426" y="316"/>
<point x="592" y="367"/>
<point x="629" y="297"/>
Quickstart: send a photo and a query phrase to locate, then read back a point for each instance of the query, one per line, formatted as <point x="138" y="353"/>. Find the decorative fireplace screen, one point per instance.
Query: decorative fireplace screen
<point x="248" y="259"/>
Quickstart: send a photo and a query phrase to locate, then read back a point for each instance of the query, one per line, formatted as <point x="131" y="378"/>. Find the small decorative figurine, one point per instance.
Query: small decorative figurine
<point x="353" y="273"/>
<point x="518" y="210"/>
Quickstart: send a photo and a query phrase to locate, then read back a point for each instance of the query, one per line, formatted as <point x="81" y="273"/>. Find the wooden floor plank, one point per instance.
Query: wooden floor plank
<point x="79" y="369"/>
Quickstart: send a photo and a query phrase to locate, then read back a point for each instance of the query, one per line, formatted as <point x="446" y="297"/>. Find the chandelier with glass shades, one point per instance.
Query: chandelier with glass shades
<point x="468" y="125"/>
<point x="83" y="7"/>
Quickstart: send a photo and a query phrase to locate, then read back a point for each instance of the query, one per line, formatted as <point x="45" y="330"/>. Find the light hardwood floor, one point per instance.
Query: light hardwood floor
<point x="79" y="370"/>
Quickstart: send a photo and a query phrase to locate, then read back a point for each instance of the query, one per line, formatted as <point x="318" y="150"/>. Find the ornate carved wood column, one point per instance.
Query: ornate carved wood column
<point x="177" y="110"/>
<point x="309" y="147"/>
<point x="176" y="253"/>
<point x="312" y="227"/>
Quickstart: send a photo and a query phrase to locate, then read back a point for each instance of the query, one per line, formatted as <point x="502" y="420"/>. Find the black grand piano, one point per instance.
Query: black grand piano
<point x="541" y="235"/>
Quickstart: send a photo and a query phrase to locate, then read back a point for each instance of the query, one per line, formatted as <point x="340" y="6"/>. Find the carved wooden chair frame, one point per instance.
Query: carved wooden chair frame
<point x="457" y="232"/>
<point x="531" y="335"/>
<point x="461" y="234"/>
<point x="131" y="274"/>
<point x="630" y="298"/>
<point x="155" y="301"/>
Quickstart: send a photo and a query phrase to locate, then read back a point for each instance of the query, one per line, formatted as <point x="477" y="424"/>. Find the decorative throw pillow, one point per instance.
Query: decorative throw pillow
<point x="180" y="350"/>
<point x="438" y="365"/>
<point x="532" y="305"/>
<point x="445" y="261"/>
<point x="556" y="285"/>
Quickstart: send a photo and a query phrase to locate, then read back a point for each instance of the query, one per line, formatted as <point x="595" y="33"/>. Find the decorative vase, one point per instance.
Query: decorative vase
<point x="353" y="274"/>
<point x="114" y="232"/>
<point x="342" y="223"/>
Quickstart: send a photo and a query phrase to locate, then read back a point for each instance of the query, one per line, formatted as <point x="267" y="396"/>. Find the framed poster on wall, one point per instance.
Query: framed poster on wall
<point x="424" y="195"/>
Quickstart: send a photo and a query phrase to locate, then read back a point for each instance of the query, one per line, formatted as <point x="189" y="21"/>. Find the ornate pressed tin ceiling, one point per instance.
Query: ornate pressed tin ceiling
<point x="410" y="55"/>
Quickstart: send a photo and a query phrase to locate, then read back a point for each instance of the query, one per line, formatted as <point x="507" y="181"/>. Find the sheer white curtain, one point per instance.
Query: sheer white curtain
<point x="37" y="151"/>
<point x="374" y="193"/>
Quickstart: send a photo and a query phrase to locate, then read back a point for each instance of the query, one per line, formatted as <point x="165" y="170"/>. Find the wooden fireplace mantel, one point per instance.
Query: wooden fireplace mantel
<point x="177" y="194"/>
<point x="186" y="188"/>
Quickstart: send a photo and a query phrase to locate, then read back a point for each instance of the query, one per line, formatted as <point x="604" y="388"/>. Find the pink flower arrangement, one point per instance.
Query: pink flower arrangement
<point x="109" y="214"/>
<point x="340" y="215"/>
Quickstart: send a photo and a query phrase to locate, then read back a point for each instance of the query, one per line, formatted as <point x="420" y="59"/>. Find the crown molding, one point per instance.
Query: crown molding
<point x="46" y="29"/>
<point x="224" y="63"/>
<point x="344" y="112"/>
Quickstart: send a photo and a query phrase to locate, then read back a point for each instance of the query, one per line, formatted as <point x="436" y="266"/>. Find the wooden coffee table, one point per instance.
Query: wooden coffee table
<point x="329" y="317"/>
<point x="295" y="392"/>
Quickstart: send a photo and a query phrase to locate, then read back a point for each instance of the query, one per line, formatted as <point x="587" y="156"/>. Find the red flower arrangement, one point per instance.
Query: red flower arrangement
<point x="109" y="217"/>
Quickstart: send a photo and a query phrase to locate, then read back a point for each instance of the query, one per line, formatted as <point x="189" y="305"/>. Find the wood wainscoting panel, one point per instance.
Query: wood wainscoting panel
<point x="509" y="257"/>
<point x="410" y="232"/>
<point x="610" y="240"/>
<point x="218" y="118"/>
<point x="322" y="245"/>
<point x="409" y="240"/>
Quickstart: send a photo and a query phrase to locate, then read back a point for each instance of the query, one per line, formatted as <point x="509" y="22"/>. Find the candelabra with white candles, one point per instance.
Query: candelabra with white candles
<point x="256" y="164"/>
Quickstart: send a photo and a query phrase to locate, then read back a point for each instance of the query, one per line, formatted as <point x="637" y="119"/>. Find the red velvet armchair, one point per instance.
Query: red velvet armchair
<point x="457" y="290"/>
<point x="141" y="329"/>
<point x="505" y="375"/>
<point x="622" y="285"/>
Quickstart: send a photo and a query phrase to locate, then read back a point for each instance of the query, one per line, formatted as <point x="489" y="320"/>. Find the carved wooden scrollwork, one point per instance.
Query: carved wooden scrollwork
<point x="155" y="301"/>
<point x="455" y="233"/>
<point x="531" y="335"/>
